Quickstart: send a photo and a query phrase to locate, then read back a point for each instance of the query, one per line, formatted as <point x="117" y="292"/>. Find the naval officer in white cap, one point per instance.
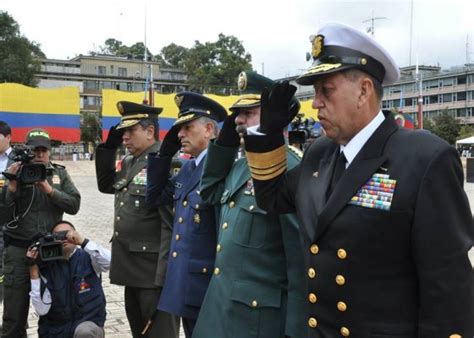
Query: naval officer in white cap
<point x="386" y="224"/>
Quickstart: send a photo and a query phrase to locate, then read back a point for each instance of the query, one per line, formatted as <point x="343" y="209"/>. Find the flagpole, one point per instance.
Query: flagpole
<point x="419" y="81"/>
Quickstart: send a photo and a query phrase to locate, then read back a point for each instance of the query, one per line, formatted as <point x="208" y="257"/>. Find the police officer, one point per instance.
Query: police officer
<point x="5" y="213"/>
<point x="142" y="232"/>
<point x="38" y="207"/>
<point x="193" y="244"/>
<point x="257" y="287"/>
<point x="385" y="220"/>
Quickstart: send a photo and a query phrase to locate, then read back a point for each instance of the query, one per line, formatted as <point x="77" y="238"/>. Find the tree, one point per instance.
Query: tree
<point x="466" y="131"/>
<point x="446" y="127"/>
<point x="217" y="63"/>
<point x="90" y="128"/>
<point x="173" y="55"/>
<point x="18" y="56"/>
<point x="115" y="47"/>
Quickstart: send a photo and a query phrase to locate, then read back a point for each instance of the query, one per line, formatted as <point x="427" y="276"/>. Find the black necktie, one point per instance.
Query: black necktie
<point x="338" y="171"/>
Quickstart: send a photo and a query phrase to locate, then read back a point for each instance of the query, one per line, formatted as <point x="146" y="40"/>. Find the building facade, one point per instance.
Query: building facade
<point x="92" y="73"/>
<point x="441" y="90"/>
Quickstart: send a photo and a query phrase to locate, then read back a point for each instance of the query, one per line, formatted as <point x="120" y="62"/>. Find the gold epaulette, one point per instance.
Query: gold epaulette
<point x="297" y="151"/>
<point x="265" y="166"/>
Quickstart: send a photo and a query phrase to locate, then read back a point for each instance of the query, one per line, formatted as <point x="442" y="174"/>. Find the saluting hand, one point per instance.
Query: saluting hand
<point x="171" y="143"/>
<point x="114" y="139"/>
<point x="278" y="108"/>
<point x="228" y="136"/>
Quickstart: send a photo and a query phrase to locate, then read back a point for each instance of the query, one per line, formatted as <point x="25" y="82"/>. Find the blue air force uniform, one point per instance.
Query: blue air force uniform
<point x="193" y="243"/>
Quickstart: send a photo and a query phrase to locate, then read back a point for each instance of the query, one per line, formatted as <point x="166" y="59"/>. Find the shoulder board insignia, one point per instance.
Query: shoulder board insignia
<point x="58" y="166"/>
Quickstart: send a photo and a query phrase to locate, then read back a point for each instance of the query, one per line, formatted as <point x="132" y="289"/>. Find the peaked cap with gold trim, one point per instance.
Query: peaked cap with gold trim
<point x="250" y="85"/>
<point x="338" y="47"/>
<point x="193" y="106"/>
<point x="132" y="113"/>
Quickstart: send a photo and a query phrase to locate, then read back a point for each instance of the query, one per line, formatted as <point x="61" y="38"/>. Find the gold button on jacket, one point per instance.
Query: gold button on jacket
<point x="312" y="322"/>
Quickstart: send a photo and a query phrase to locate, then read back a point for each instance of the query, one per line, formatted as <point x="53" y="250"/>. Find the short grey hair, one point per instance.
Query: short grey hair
<point x="205" y="120"/>
<point x="354" y="74"/>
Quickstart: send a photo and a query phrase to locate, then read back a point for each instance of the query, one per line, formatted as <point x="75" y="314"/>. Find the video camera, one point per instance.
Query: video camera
<point x="28" y="173"/>
<point x="302" y="130"/>
<point x="50" y="246"/>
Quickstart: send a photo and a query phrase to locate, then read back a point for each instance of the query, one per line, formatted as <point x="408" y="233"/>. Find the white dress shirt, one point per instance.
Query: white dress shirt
<point x="4" y="159"/>
<point x="352" y="148"/>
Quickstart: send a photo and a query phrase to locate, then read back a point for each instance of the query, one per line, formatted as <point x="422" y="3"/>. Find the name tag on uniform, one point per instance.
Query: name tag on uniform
<point x="56" y="179"/>
<point x="376" y="193"/>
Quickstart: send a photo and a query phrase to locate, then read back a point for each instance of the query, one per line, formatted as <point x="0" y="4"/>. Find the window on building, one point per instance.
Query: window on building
<point x="107" y="85"/>
<point x="409" y="101"/>
<point x="433" y="99"/>
<point x="447" y="97"/>
<point x="461" y="112"/>
<point x="101" y="70"/>
<point x="122" y="72"/>
<point x="447" y="82"/>
<point x="395" y="89"/>
<point x="385" y="104"/>
<point x="432" y="84"/>
<point x="91" y="85"/>
<point x="462" y="79"/>
<point x="138" y="87"/>
<point x="111" y="69"/>
<point x="461" y="96"/>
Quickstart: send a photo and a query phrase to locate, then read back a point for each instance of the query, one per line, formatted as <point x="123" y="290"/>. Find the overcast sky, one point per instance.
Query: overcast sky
<point x="275" y="32"/>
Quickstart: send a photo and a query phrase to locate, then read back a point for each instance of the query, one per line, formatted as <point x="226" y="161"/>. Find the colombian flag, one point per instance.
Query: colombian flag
<point x="55" y="110"/>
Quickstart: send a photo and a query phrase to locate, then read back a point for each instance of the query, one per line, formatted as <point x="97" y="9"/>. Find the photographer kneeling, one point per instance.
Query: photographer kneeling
<point x="66" y="289"/>
<point x="39" y="193"/>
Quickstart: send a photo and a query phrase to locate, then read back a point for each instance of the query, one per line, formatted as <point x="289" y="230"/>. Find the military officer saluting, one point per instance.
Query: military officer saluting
<point x="386" y="223"/>
<point x="193" y="244"/>
<point x="257" y="287"/>
<point x="142" y="232"/>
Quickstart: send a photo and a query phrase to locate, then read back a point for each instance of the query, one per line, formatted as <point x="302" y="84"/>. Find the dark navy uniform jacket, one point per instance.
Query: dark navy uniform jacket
<point x="193" y="244"/>
<point x="396" y="267"/>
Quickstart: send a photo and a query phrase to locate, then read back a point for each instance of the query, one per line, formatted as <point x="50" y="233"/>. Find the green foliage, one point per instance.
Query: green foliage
<point x="428" y="124"/>
<point x="173" y="56"/>
<point x="18" y="56"/>
<point x="209" y="64"/>
<point x="90" y="128"/>
<point x="217" y="63"/>
<point x="115" y="47"/>
<point x="446" y="127"/>
<point x="466" y="131"/>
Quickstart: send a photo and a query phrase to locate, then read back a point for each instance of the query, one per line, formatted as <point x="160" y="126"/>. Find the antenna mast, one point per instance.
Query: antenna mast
<point x="371" y="29"/>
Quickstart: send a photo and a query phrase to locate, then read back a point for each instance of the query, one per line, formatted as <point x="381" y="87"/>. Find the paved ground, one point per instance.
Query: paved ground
<point x="95" y="220"/>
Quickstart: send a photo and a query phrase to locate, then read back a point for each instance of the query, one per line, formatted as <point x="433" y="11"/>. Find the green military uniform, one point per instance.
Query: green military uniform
<point x="39" y="212"/>
<point x="257" y="289"/>
<point x="141" y="237"/>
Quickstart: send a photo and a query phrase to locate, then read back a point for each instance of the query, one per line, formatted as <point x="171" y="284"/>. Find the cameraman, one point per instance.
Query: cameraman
<point x="37" y="207"/>
<point x="67" y="293"/>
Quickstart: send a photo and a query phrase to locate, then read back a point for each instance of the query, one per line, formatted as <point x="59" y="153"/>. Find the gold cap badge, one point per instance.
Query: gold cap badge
<point x="120" y="108"/>
<point x="242" y="81"/>
<point x="318" y="44"/>
<point x="178" y="99"/>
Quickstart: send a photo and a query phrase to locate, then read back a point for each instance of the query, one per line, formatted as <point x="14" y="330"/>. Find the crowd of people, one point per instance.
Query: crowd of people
<point x="366" y="234"/>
